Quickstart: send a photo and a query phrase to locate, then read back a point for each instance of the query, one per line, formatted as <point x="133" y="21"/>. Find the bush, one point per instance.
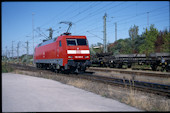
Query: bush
<point x="6" y="68"/>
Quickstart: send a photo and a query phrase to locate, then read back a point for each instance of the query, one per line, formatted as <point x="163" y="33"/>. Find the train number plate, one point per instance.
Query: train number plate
<point x="78" y="56"/>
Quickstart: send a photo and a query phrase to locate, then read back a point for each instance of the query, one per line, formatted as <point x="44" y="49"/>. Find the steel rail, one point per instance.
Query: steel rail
<point x="160" y="89"/>
<point x="143" y="73"/>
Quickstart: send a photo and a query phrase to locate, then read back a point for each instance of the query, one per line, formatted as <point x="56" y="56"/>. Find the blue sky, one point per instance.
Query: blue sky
<point x="86" y="16"/>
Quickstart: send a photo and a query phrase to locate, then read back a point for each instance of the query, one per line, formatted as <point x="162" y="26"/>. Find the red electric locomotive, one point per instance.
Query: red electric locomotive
<point x="64" y="53"/>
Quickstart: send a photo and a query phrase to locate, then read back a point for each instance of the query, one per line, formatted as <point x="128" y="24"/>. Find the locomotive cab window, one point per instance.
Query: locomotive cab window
<point x="81" y="42"/>
<point x="78" y="42"/>
<point x="71" y="42"/>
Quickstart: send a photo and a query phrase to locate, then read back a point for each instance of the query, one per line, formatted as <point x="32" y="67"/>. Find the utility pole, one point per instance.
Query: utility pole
<point x="9" y="55"/>
<point x="115" y="31"/>
<point x="33" y="29"/>
<point x="27" y="52"/>
<point x="104" y="34"/>
<point x="148" y="19"/>
<point x="18" y="52"/>
<point x="12" y="50"/>
<point x="169" y="17"/>
<point x="6" y="51"/>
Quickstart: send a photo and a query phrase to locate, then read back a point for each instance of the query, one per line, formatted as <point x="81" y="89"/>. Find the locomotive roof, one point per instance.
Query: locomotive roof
<point x="47" y="42"/>
<point x="54" y="39"/>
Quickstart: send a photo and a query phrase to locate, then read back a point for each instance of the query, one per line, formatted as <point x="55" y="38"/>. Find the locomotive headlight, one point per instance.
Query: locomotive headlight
<point x="70" y="56"/>
<point x="86" y="57"/>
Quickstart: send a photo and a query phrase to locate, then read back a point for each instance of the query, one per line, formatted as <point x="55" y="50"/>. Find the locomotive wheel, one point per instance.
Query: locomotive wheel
<point x="56" y="70"/>
<point x="163" y="68"/>
<point x="62" y="70"/>
<point x="52" y="67"/>
<point x="112" y="65"/>
<point x="37" y="65"/>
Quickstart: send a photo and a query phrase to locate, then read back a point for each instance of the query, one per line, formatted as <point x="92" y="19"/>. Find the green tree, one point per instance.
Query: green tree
<point x="166" y="42"/>
<point x="137" y="42"/>
<point x="122" y="46"/>
<point x="133" y="33"/>
<point x="149" y="42"/>
<point x="126" y="46"/>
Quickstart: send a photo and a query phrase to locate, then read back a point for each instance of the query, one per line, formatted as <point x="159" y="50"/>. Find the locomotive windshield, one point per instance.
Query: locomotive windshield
<point x="76" y="42"/>
<point x="81" y="42"/>
<point x="71" y="42"/>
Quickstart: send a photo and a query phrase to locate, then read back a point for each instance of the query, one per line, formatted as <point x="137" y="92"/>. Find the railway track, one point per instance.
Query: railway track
<point x="136" y="72"/>
<point x="155" y="88"/>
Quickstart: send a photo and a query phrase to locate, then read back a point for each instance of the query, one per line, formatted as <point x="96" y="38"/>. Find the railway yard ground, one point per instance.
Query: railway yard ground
<point x="142" y="100"/>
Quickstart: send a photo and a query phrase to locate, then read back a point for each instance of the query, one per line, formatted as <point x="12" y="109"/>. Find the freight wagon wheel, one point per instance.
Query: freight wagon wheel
<point x="83" y="71"/>
<point x="112" y="65"/>
<point x="107" y="65"/>
<point x="129" y="65"/>
<point x="163" y="67"/>
<point x="168" y="68"/>
<point x="154" y="67"/>
<point x="120" y="65"/>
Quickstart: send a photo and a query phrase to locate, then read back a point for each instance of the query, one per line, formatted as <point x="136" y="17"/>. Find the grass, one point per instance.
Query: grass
<point x="6" y="68"/>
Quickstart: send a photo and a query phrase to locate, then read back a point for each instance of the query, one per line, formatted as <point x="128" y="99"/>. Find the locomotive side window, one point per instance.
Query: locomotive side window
<point x="60" y="43"/>
<point x="71" y="42"/>
<point x="81" y="42"/>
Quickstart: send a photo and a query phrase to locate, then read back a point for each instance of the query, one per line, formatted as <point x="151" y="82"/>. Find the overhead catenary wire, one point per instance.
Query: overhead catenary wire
<point x="97" y="13"/>
<point x="134" y="16"/>
<point x="60" y="13"/>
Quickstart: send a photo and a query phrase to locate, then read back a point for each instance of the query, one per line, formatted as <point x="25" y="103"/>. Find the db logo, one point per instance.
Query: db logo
<point x="78" y="51"/>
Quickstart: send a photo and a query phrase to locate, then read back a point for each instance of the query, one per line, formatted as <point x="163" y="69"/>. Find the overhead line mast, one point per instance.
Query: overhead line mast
<point x="33" y="29"/>
<point x="27" y="49"/>
<point x="115" y="31"/>
<point x="50" y="33"/>
<point x="148" y="19"/>
<point x="104" y="34"/>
